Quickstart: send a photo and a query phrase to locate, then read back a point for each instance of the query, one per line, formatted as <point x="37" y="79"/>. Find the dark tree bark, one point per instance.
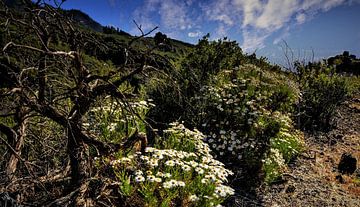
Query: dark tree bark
<point x="19" y="142"/>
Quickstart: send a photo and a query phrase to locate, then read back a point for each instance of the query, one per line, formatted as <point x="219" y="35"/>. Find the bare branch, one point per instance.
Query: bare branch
<point x="60" y="53"/>
<point x="142" y="33"/>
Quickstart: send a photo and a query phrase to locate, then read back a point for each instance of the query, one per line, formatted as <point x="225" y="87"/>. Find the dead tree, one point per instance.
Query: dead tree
<point x="54" y="84"/>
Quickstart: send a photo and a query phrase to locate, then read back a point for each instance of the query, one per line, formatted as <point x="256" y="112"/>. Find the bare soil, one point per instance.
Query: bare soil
<point x="313" y="179"/>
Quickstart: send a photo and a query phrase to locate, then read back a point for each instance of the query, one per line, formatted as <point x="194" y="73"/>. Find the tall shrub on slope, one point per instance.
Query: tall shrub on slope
<point x="321" y="91"/>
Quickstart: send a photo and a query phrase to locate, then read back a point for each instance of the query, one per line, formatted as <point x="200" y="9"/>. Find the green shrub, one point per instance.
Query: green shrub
<point x="322" y="91"/>
<point x="232" y="103"/>
<point x="178" y="171"/>
<point x="284" y="147"/>
<point x="244" y="113"/>
<point x="114" y="120"/>
<point x="192" y="71"/>
<point x="274" y="165"/>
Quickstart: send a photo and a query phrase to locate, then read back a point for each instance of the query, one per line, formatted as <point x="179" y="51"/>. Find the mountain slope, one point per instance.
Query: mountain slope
<point x="84" y="19"/>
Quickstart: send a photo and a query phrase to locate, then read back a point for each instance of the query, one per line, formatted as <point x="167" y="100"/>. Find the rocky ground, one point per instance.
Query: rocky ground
<point x="313" y="179"/>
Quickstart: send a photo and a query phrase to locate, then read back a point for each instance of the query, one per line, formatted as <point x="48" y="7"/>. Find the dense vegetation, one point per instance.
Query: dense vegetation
<point x="345" y="63"/>
<point x="107" y="119"/>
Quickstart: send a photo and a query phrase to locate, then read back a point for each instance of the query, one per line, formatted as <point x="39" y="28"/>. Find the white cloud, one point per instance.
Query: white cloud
<point x="300" y="18"/>
<point x="194" y="34"/>
<point x="221" y="31"/>
<point x="262" y="18"/>
<point x="275" y="14"/>
<point x="172" y="14"/>
<point x="255" y="20"/>
<point x="220" y="11"/>
<point x="253" y="41"/>
<point x="225" y="19"/>
<point x="143" y="16"/>
<point x="329" y="4"/>
<point x="250" y="10"/>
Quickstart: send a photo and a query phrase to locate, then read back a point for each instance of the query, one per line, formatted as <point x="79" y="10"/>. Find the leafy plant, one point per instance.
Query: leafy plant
<point x="284" y="147"/>
<point x="322" y="90"/>
<point x="179" y="170"/>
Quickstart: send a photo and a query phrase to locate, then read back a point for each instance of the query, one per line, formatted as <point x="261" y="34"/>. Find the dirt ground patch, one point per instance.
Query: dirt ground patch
<point x="313" y="179"/>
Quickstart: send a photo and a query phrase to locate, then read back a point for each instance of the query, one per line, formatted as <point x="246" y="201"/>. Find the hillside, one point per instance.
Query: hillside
<point x="92" y="116"/>
<point x="118" y="37"/>
<point x="84" y="19"/>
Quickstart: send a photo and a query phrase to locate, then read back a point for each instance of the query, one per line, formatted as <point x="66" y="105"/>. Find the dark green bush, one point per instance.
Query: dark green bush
<point x="209" y="57"/>
<point x="193" y="71"/>
<point x="322" y="91"/>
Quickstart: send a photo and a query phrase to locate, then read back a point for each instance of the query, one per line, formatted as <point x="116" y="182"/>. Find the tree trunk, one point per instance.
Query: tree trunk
<point x="78" y="161"/>
<point x="19" y="142"/>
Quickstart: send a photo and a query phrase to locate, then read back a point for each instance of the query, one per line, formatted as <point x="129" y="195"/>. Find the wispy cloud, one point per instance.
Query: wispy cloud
<point x="260" y="19"/>
<point x="253" y="40"/>
<point x="172" y="14"/>
<point x="195" y="34"/>
<point x="144" y="17"/>
<point x="254" y="20"/>
<point x="220" y="11"/>
<point x="221" y="31"/>
<point x="300" y="18"/>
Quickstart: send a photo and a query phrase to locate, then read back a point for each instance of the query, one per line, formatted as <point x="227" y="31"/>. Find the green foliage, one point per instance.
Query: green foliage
<point x="345" y="63"/>
<point x="184" y="174"/>
<point x="283" y="98"/>
<point x="274" y="164"/>
<point x="192" y="72"/>
<point x="322" y="90"/>
<point x="354" y="84"/>
<point x="113" y="121"/>
<point x="244" y="113"/>
<point x="284" y="147"/>
<point x="240" y="103"/>
<point x="236" y="105"/>
<point x="207" y="58"/>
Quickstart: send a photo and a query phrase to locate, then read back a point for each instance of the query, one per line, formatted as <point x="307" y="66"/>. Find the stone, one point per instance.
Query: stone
<point x="339" y="136"/>
<point x="347" y="164"/>
<point x="340" y="179"/>
<point x="357" y="173"/>
<point x="290" y="189"/>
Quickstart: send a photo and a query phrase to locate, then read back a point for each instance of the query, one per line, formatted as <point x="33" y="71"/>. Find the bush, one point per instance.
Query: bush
<point x="191" y="72"/>
<point x="322" y="90"/>
<point x="113" y="120"/>
<point x="284" y="147"/>
<point x="236" y="112"/>
<point x="178" y="171"/>
<point x="232" y="103"/>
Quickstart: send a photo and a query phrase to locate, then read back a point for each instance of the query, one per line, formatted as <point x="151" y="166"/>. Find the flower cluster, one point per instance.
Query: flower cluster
<point x="287" y="144"/>
<point x="245" y="113"/>
<point x="274" y="165"/>
<point x="233" y="117"/>
<point x="114" y="120"/>
<point x="288" y="141"/>
<point x="183" y="171"/>
<point x="275" y="157"/>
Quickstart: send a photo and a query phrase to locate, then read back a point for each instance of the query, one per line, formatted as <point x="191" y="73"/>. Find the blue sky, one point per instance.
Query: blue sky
<point x="319" y="27"/>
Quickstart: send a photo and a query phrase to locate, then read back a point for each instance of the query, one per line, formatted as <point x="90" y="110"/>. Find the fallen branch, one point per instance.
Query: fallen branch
<point x="64" y="200"/>
<point x="70" y="54"/>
